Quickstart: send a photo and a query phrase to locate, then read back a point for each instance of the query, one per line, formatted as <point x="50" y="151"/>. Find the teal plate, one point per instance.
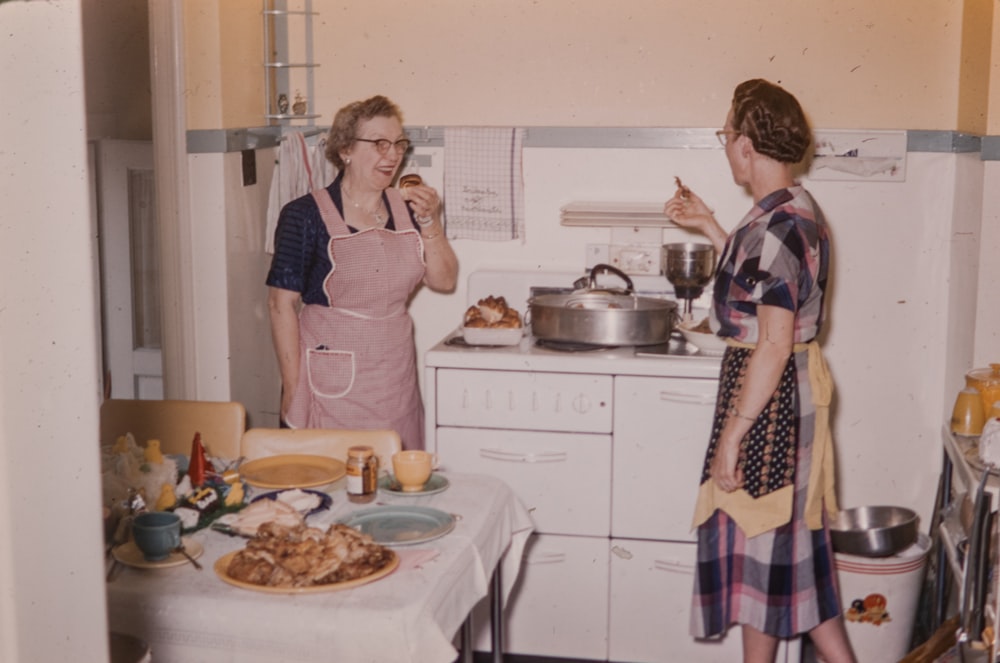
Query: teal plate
<point x="436" y="484"/>
<point x="401" y="525"/>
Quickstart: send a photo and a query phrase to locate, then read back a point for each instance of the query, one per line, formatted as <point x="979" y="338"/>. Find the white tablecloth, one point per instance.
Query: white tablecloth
<point x="413" y="614"/>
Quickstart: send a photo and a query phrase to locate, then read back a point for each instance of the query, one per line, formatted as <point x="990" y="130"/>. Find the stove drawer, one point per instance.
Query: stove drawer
<point x="563" y="479"/>
<point x="524" y="400"/>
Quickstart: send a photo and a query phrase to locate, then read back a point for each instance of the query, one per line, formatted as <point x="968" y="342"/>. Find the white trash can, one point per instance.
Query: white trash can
<point x="880" y="597"/>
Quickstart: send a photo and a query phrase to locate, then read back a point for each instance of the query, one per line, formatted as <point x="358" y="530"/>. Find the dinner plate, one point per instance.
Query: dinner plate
<point x="436" y="484"/>
<point x="222" y="570"/>
<point x="292" y="471"/>
<point x="401" y="525"/>
<point x="130" y="555"/>
<point x="324" y="499"/>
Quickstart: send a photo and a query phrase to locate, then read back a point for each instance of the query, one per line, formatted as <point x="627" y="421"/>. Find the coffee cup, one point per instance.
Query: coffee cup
<point x="156" y="534"/>
<point x="413" y="468"/>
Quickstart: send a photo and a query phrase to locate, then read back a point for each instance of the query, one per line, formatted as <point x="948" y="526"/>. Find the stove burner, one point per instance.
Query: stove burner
<point x="570" y="346"/>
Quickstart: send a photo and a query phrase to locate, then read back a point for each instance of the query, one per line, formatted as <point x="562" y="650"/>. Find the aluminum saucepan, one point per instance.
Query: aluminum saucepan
<point x="599" y="316"/>
<point x="873" y="531"/>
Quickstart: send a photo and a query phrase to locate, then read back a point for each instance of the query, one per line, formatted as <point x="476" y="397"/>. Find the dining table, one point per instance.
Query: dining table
<point x="419" y="613"/>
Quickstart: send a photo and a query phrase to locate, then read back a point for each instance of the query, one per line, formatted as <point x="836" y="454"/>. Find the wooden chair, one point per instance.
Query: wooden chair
<point x="174" y="423"/>
<point x="262" y="442"/>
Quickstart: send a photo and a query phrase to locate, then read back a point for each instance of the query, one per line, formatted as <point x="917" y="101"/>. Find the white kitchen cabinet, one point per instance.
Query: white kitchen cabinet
<point x="563" y="479"/>
<point x="559" y="607"/>
<point x="662" y="427"/>
<point x="650" y="606"/>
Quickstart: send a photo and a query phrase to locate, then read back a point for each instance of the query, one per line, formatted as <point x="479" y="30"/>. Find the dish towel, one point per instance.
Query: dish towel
<point x="483" y="183"/>
<point x="300" y="168"/>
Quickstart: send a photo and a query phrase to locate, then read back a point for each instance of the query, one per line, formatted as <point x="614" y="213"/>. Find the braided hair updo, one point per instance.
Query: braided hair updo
<point x="772" y="119"/>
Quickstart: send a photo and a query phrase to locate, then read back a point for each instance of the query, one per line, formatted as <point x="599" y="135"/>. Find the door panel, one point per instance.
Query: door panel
<point x="130" y="281"/>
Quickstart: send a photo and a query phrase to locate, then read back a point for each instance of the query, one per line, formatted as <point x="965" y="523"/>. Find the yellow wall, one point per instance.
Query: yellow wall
<point x="223" y="44"/>
<point x="974" y="71"/>
<point x="904" y="64"/>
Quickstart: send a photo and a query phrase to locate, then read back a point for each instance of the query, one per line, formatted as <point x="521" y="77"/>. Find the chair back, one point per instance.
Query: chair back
<point x="331" y="442"/>
<point x="174" y="423"/>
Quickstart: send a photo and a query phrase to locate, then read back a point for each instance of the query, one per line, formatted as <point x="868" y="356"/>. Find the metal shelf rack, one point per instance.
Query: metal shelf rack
<point x="278" y="67"/>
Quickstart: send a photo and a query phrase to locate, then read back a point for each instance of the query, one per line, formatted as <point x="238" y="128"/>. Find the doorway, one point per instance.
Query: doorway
<point x="129" y="269"/>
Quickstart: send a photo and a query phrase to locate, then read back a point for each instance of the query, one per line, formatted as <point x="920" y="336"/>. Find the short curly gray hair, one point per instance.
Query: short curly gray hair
<point x="345" y="124"/>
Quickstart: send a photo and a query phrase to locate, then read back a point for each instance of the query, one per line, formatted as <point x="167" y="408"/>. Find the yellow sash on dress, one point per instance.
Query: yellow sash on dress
<point x="758" y="515"/>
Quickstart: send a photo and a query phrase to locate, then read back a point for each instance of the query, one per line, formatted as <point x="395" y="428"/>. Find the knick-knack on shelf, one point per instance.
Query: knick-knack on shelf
<point x="299" y="107"/>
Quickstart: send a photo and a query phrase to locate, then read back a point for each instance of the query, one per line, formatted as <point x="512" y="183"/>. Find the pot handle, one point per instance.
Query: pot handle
<point x="608" y="269"/>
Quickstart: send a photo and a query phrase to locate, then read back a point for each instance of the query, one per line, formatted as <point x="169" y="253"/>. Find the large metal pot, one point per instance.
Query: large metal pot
<point x="599" y="316"/>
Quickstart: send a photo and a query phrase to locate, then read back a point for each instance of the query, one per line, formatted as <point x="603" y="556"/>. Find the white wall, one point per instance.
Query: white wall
<point x="903" y="294"/>
<point x="51" y="573"/>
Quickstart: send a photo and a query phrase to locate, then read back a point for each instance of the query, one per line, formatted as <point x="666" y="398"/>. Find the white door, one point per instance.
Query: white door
<point x="130" y="281"/>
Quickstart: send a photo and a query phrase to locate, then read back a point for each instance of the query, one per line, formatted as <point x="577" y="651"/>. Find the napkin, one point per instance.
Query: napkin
<point x="411" y="558"/>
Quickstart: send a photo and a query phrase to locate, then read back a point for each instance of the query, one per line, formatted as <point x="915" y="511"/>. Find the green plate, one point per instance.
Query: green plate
<point x="436" y="484"/>
<point x="401" y="525"/>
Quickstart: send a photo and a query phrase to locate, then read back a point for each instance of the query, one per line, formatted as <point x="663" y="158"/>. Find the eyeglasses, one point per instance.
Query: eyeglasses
<point x="723" y="135"/>
<point x="382" y="145"/>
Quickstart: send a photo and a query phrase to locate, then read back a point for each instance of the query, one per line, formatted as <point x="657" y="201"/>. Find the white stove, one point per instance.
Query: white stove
<point x="605" y="449"/>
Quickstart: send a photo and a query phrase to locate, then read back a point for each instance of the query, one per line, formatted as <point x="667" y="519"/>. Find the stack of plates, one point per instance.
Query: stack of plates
<point x="631" y="214"/>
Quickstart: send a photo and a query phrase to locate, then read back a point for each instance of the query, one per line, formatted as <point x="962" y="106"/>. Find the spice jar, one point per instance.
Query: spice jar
<point x="362" y="474"/>
<point x="987" y="382"/>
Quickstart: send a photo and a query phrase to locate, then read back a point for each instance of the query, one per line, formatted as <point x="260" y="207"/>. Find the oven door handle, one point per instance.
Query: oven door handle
<point x="688" y="398"/>
<point x="520" y="457"/>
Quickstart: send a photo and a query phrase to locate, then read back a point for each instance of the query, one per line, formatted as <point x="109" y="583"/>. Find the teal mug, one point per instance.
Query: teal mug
<point x="156" y="534"/>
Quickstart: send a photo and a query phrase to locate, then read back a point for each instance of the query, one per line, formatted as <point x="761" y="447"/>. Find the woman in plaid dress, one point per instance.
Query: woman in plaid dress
<point x="764" y="555"/>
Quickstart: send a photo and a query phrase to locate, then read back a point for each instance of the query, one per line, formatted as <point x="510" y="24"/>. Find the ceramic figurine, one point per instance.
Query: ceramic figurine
<point x="299" y="107"/>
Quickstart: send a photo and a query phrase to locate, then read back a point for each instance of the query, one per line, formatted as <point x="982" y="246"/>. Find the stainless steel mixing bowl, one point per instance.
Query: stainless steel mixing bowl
<point x="874" y="531"/>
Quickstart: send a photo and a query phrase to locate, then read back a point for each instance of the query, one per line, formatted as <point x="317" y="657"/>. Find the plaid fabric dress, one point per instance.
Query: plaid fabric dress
<point x="781" y="582"/>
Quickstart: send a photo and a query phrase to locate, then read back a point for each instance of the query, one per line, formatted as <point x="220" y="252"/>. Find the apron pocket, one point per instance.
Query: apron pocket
<point x="331" y="372"/>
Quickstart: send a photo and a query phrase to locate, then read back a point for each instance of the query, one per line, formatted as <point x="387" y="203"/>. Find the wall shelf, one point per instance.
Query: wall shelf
<point x="288" y="61"/>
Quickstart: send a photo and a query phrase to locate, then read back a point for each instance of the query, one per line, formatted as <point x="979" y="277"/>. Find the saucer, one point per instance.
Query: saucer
<point x="436" y="484"/>
<point x="130" y="555"/>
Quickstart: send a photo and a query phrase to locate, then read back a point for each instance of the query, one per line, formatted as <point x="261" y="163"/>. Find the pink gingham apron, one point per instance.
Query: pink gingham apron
<point x="358" y="361"/>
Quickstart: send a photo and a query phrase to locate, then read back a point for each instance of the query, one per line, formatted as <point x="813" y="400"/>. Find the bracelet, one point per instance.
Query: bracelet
<point x="424" y="221"/>
<point x="435" y="235"/>
<point x="733" y="412"/>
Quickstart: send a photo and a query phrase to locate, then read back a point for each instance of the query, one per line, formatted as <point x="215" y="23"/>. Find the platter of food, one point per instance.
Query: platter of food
<point x="401" y="525"/>
<point x="130" y="555"/>
<point x="292" y="471"/>
<point x="305" y="560"/>
<point x="491" y="322"/>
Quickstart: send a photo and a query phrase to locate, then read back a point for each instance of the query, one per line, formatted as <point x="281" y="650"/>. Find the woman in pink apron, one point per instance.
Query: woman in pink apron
<point x="347" y="259"/>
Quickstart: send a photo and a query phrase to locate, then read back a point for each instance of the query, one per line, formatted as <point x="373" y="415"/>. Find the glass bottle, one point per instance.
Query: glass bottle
<point x="362" y="474"/>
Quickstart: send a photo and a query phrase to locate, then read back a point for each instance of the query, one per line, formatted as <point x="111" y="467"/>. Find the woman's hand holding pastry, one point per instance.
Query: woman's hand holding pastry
<point x="424" y="201"/>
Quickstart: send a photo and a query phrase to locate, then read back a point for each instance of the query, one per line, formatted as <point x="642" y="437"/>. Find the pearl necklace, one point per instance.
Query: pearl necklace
<point x="380" y="219"/>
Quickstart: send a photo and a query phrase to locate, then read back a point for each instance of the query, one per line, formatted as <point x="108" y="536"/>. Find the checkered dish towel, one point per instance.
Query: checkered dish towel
<point x="483" y="183"/>
<point x="299" y="169"/>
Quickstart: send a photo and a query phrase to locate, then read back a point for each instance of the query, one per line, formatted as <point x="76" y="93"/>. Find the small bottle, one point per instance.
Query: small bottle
<point x="362" y="474"/>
